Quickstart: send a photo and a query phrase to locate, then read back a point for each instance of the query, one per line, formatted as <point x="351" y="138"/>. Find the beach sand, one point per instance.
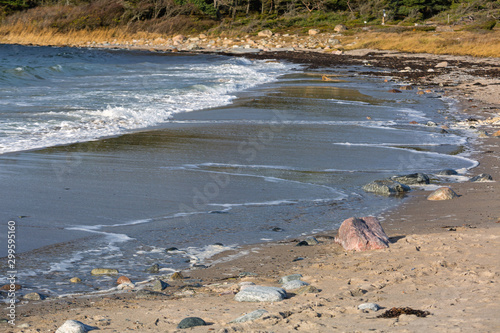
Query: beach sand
<point x="443" y="256"/>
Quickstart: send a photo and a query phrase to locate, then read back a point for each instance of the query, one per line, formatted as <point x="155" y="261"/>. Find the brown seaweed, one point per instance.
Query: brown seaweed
<point x="396" y="312"/>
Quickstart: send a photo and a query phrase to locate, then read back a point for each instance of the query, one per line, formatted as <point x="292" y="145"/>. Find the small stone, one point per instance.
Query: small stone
<point x="394" y="91"/>
<point x="25" y="325"/>
<point x="250" y="316"/>
<point x="386" y="187"/>
<point x="313" y="32"/>
<point x="447" y="172"/>
<point x="443" y="64"/>
<point x="178" y="39"/>
<point x="148" y="294"/>
<point x="123" y="279"/>
<point x="311" y="240"/>
<point x="177" y="276"/>
<point x="406" y="88"/>
<point x="104" y="271"/>
<point x="484" y="177"/>
<point x="125" y="286"/>
<point x="443" y="193"/>
<point x="340" y="28"/>
<point x="159" y="285"/>
<point x="75" y="280"/>
<point x="34" y="297"/>
<point x="307" y="290"/>
<point x="9" y="287"/>
<point x="302" y="243"/>
<point x="482" y="134"/>
<point x="412" y="179"/>
<point x="496" y="134"/>
<point x="191" y="322"/>
<point x="369" y="306"/>
<point x="265" y="33"/>
<point x="295" y="284"/>
<point x="155" y="268"/>
<point x="288" y="278"/>
<point x="260" y="294"/>
<point x="74" y="326"/>
<point x="170" y="249"/>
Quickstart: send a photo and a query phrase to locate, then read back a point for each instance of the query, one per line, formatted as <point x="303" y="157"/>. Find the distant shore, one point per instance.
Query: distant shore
<point x="443" y="256"/>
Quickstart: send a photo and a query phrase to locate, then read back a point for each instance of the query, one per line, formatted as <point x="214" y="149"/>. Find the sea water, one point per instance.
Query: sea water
<point x="108" y="157"/>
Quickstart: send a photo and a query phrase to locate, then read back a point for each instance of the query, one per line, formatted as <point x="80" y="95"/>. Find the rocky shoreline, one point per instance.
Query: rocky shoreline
<point x="441" y="260"/>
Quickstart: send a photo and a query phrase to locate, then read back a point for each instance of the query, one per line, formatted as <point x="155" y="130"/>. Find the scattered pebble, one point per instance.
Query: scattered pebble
<point x="369" y="306"/>
<point x="104" y="271"/>
<point x="250" y="316"/>
<point x="260" y="294"/>
<point x="288" y="278"/>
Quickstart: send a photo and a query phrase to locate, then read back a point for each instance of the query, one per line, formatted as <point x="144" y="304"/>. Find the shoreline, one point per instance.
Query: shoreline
<point x="308" y="311"/>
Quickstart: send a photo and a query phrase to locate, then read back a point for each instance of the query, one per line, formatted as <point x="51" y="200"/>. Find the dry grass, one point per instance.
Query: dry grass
<point x="478" y="44"/>
<point x="22" y="34"/>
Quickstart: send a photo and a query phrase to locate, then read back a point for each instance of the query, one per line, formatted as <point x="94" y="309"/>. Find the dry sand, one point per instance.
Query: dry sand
<point x="444" y="258"/>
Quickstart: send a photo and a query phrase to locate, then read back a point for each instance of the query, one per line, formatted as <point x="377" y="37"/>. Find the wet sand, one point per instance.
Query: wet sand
<point x="443" y="259"/>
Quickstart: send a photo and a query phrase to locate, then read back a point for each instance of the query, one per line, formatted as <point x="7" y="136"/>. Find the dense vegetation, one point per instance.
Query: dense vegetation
<point x="167" y="16"/>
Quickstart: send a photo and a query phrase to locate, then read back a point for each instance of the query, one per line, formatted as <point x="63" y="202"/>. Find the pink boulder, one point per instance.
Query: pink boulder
<point x="362" y="234"/>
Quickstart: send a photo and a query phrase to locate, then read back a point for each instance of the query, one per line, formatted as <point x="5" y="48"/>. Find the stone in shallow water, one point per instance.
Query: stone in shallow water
<point x="386" y="187"/>
<point x="412" y="179"/>
<point x="260" y="294"/>
<point x="484" y="177"/>
<point x="191" y="322"/>
<point x="295" y="284"/>
<point x="311" y="240"/>
<point x="443" y="193"/>
<point x="250" y="316"/>
<point x="369" y="306"/>
<point x="155" y="268"/>
<point x="104" y="271"/>
<point x="34" y="297"/>
<point x="447" y="172"/>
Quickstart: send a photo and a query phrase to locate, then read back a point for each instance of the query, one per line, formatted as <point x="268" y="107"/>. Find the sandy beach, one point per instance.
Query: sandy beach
<point x="443" y="256"/>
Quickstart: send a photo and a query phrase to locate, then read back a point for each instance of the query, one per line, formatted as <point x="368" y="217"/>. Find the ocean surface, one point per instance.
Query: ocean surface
<point x="108" y="157"/>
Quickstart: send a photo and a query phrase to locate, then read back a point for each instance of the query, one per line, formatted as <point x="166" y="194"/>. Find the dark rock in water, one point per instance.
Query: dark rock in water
<point x="484" y="177"/>
<point x="219" y="244"/>
<point x="386" y="187"/>
<point x="159" y="285"/>
<point x="191" y="322"/>
<point x="447" y="172"/>
<point x="171" y="249"/>
<point x="218" y="212"/>
<point x="394" y="91"/>
<point x="362" y="234"/>
<point x="412" y="179"/>
<point x="302" y="243"/>
<point x="153" y="269"/>
<point x="276" y="229"/>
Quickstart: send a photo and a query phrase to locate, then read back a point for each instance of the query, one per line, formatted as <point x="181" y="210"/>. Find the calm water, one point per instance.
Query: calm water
<point x="107" y="158"/>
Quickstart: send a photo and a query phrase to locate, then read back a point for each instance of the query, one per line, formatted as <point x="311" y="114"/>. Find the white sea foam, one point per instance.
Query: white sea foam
<point x="142" y="109"/>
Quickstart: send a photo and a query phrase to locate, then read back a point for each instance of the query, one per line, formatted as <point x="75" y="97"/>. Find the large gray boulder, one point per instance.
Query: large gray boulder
<point x="386" y="187"/>
<point x="362" y="234"/>
<point x="260" y="294"/>
<point x="412" y="179"/>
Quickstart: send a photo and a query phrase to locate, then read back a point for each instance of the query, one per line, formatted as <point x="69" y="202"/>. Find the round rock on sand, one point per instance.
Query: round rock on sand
<point x="443" y="193"/>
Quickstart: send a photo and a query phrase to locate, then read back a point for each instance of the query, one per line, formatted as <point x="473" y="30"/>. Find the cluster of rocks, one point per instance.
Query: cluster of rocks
<point x="265" y="40"/>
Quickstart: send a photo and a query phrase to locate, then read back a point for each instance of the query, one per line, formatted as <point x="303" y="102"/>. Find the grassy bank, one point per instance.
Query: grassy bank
<point x="473" y="43"/>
